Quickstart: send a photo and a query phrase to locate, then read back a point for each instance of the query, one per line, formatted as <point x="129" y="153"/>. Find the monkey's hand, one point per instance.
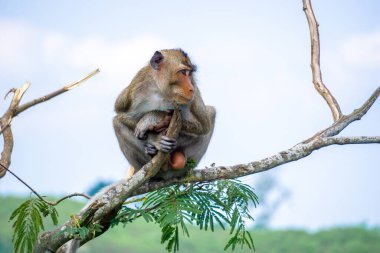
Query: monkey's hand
<point x="150" y="149"/>
<point x="167" y="144"/>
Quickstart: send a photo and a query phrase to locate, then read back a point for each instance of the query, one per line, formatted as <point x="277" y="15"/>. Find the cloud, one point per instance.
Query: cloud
<point x="348" y="63"/>
<point x="113" y="58"/>
<point x="26" y="49"/>
<point x="18" y="45"/>
<point x="362" y="50"/>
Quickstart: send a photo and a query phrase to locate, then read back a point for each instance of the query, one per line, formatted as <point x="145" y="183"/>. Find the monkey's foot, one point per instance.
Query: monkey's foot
<point x="150" y="149"/>
<point x="177" y="160"/>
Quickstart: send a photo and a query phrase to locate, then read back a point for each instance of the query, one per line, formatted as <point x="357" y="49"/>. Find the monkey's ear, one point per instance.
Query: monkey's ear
<point x="156" y="60"/>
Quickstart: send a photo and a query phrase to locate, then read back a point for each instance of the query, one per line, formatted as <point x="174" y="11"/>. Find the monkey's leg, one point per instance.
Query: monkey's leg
<point x="132" y="148"/>
<point x="195" y="146"/>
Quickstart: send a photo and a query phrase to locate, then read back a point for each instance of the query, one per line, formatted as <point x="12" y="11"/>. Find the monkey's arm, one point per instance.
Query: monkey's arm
<point x="122" y="108"/>
<point x="200" y="118"/>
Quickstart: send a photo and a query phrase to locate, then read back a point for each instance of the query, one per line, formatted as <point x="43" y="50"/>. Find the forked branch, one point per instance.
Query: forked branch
<point x="15" y="109"/>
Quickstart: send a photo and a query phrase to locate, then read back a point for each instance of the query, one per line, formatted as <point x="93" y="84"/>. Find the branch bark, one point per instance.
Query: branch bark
<point x="6" y="130"/>
<point x="315" y="62"/>
<point x="55" y="93"/>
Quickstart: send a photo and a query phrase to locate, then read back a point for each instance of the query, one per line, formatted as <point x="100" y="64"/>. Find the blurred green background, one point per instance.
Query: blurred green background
<point x="141" y="237"/>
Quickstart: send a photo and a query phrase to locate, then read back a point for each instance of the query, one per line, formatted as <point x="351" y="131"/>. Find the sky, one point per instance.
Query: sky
<point x="253" y="62"/>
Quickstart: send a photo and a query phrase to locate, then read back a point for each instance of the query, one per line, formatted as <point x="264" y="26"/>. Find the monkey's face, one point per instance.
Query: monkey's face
<point x="174" y="75"/>
<point x="181" y="87"/>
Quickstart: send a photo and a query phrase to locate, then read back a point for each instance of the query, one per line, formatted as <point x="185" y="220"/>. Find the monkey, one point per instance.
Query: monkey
<point x="143" y="114"/>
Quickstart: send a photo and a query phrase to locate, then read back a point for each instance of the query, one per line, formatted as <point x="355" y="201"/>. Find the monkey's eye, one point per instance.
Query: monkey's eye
<point x="185" y="72"/>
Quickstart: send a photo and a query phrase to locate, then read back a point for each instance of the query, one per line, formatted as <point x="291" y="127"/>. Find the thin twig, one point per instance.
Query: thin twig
<point x="22" y="181"/>
<point x="39" y="196"/>
<point x="54" y="94"/>
<point x="133" y="200"/>
<point x="76" y="194"/>
<point x="315" y="62"/>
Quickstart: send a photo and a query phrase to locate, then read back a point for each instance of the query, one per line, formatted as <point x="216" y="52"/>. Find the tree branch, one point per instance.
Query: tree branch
<point x="345" y="120"/>
<point x="114" y="196"/>
<point x="6" y="130"/>
<point x="55" y="93"/>
<point x="315" y="63"/>
<point x="14" y="109"/>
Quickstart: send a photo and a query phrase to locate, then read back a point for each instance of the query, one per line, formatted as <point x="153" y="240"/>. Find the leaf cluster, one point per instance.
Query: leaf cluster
<point x="78" y="232"/>
<point x="28" y="222"/>
<point x="208" y="204"/>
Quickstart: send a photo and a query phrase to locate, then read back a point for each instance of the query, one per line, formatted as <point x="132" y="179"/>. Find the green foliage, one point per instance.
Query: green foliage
<point x="222" y="202"/>
<point x="79" y="232"/>
<point x="190" y="164"/>
<point x="28" y="223"/>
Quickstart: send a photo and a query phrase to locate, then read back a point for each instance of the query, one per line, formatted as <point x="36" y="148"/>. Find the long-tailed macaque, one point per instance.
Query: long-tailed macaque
<point x="144" y="111"/>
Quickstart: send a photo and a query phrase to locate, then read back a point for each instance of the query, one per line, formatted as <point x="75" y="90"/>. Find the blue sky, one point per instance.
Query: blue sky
<point x="254" y="67"/>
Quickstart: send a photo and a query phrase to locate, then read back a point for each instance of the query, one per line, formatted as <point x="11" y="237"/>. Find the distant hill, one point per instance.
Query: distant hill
<point x="141" y="237"/>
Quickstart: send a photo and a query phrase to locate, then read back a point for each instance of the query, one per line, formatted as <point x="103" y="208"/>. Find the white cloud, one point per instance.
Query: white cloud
<point x="24" y="49"/>
<point x="17" y="46"/>
<point x="113" y="58"/>
<point x="362" y="50"/>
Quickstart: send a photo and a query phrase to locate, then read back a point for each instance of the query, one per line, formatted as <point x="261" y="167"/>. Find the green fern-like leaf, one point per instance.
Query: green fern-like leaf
<point x="28" y="223"/>
<point x="219" y="203"/>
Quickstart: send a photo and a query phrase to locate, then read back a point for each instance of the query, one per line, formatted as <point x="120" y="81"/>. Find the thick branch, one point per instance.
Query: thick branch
<point x="315" y="65"/>
<point x="114" y="196"/>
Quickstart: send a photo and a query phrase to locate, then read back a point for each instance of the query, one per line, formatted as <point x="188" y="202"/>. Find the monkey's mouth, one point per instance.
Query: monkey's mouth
<point x="182" y="99"/>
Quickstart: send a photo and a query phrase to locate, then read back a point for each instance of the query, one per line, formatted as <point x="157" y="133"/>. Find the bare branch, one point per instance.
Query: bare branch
<point x="315" y="63"/>
<point x="41" y="197"/>
<point x="14" y="109"/>
<point x="342" y="140"/>
<point x="344" y="121"/>
<point x="6" y="154"/>
<point x="6" y="131"/>
<point x="76" y="194"/>
<point x="229" y="172"/>
<point x="55" y="93"/>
